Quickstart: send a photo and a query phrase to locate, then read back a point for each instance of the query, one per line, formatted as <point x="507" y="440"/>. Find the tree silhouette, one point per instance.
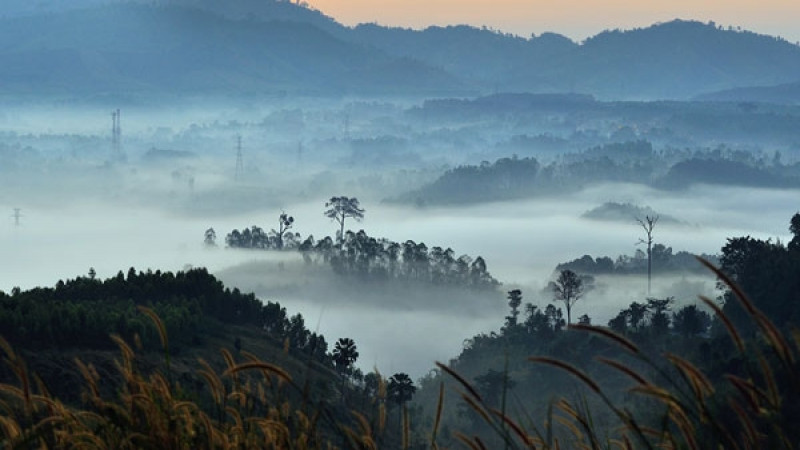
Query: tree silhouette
<point x="648" y="224"/>
<point x="555" y="319"/>
<point x="514" y="301"/>
<point x="210" y="237"/>
<point x="794" y="227"/>
<point x="659" y="317"/>
<point x="636" y="315"/>
<point x="568" y="289"/>
<point x="401" y="389"/>
<point x="690" y="321"/>
<point x="285" y="223"/>
<point x="340" y="208"/>
<point x="619" y="323"/>
<point x="345" y="353"/>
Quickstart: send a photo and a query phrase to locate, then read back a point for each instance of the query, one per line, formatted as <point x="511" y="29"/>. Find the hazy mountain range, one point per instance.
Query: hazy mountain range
<point x="783" y="93"/>
<point x="250" y="47"/>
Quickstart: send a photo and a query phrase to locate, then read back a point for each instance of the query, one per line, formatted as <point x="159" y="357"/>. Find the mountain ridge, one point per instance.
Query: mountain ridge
<point x="247" y="47"/>
<point x="781" y="93"/>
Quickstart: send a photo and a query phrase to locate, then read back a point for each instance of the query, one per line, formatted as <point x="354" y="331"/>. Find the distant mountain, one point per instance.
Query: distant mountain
<point x="18" y="8"/>
<point x="261" y="10"/>
<point x="723" y="172"/>
<point x="786" y="94"/>
<point x="134" y="48"/>
<point x="626" y="212"/>
<point x="673" y="60"/>
<point x="476" y="54"/>
<point x="245" y="47"/>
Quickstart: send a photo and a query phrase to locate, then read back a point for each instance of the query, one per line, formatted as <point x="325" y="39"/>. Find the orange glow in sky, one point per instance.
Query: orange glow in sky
<point x="577" y="19"/>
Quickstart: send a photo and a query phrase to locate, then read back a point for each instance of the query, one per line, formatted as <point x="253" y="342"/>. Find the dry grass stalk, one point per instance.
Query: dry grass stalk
<point x="467" y="440"/>
<point x="698" y="381"/>
<point x="622" y="368"/>
<point x="605" y="332"/>
<point x="406" y="428"/>
<point x="472" y="403"/>
<point x="726" y="321"/>
<point x="569" y="368"/>
<point x="466" y="384"/>
<point x="259" y="365"/>
<point x="526" y="439"/>
<point x="162" y="330"/>
<point x="438" y="418"/>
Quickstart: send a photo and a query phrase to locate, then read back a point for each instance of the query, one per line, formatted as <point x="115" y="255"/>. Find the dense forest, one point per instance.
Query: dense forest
<point x="248" y="45"/>
<point x="517" y="152"/>
<point x="744" y="339"/>
<point x="663" y="260"/>
<point x="84" y="311"/>
<point x="182" y="319"/>
<point x="625" y="212"/>
<point x="741" y="344"/>
<point x="376" y="260"/>
<point x="625" y="162"/>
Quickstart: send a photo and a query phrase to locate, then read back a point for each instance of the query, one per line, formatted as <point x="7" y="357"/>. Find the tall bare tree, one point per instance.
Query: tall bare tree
<point x="340" y="208"/>
<point x="285" y="222"/>
<point x="648" y="224"/>
<point x="568" y="289"/>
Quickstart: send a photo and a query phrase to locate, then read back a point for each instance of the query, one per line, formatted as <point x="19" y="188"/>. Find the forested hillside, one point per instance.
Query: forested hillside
<point x="274" y="47"/>
<point x="167" y="359"/>
<point x="625" y="162"/>
<point x="655" y="366"/>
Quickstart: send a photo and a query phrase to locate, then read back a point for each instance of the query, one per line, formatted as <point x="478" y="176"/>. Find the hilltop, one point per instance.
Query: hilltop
<point x="248" y="47"/>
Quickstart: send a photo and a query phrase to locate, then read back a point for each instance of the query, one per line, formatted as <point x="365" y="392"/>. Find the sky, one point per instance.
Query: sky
<point x="576" y="19"/>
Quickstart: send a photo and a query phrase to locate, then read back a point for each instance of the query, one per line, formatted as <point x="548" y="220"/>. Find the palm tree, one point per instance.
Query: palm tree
<point x="401" y="389"/>
<point x="345" y="353"/>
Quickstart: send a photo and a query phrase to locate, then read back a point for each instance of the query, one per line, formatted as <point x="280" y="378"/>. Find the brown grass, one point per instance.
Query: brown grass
<point x="692" y="405"/>
<point x="151" y="411"/>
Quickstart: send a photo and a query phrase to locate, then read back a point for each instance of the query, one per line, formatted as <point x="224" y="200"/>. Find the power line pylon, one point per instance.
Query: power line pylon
<point x="116" y="134"/>
<point x="17" y="215"/>
<point x="239" y="162"/>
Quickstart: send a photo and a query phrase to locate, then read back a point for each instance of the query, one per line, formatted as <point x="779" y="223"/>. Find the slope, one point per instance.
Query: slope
<point x="146" y="49"/>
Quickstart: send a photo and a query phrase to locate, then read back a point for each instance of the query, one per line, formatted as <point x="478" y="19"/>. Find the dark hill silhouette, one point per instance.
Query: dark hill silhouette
<point x="786" y="94"/>
<point x="677" y="59"/>
<point x="136" y="48"/>
<point x="262" y="10"/>
<point x="473" y="53"/>
<point x="245" y="47"/>
<point x="19" y="8"/>
<point x="710" y="171"/>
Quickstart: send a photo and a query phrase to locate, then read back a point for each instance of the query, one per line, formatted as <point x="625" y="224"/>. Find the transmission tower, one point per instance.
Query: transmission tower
<point x="17" y="215"/>
<point x="300" y="152"/>
<point x="116" y="134"/>
<point x="239" y="163"/>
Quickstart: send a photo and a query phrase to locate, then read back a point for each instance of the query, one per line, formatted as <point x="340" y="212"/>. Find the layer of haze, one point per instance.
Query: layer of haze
<point x="83" y="209"/>
<point x="577" y="19"/>
<point x="522" y="242"/>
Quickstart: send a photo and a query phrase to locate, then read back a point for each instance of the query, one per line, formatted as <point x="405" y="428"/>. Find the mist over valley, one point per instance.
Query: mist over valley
<point x="340" y="207"/>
